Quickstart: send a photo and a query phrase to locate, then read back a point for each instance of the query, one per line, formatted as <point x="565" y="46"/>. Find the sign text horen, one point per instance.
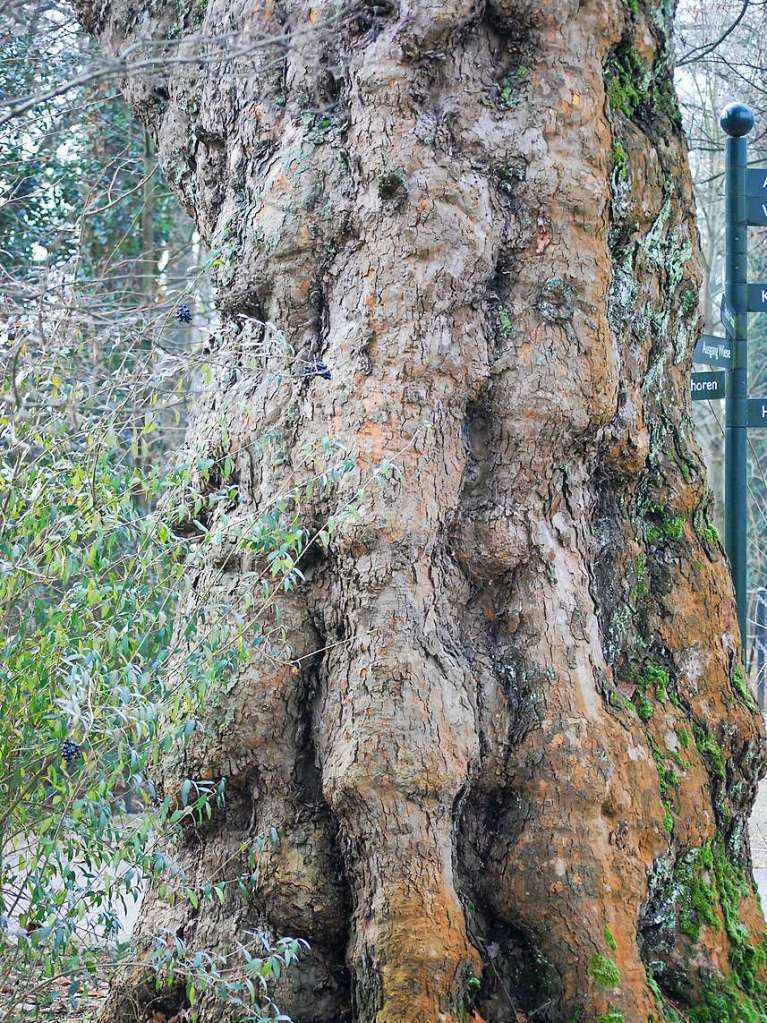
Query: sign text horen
<point x="708" y="386"/>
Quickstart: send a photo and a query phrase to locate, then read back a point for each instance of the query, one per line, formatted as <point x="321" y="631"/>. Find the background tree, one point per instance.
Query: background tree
<point x="501" y="730"/>
<point x="720" y="52"/>
<point x="95" y="376"/>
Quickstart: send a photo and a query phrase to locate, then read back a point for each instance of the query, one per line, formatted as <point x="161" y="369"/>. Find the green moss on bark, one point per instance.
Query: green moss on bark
<point x="662" y="525"/>
<point x="712" y="752"/>
<point x="740" y="685"/>
<point x="633" y="86"/>
<point x="604" y="971"/>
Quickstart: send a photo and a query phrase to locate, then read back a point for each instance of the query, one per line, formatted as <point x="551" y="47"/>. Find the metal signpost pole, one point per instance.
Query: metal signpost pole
<point x="737" y="120"/>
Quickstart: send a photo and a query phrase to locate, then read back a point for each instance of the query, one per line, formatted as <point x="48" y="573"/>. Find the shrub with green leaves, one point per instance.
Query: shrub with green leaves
<point x="98" y="684"/>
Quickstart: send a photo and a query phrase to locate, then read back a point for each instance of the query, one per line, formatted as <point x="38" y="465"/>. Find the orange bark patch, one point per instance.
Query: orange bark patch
<point x="424" y="945"/>
<point x="372" y="442"/>
<point x="278" y="679"/>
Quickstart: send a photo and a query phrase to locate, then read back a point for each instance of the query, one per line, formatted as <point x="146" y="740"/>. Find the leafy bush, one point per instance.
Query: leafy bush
<point x="98" y="683"/>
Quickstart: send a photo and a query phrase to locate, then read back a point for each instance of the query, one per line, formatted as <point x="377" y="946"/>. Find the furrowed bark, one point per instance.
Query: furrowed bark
<point x="514" y="742"/>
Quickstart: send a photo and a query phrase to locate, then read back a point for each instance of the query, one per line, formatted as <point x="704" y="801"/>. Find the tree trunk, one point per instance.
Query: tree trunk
<point x="513" y="741"/>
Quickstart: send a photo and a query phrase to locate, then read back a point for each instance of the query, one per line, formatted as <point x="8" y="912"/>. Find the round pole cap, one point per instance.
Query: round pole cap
<point x="737" y="119"/>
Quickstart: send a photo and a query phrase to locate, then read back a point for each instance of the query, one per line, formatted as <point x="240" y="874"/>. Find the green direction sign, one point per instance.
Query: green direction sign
<point x="757" y="297"/>
<point x="757" y="412"/>
<point x="756" y="183"/>
<point x="756" y="212"/>
<point x="727" y="316"/>
<point x="713" y="351"/>
<point x="708" y="386"/>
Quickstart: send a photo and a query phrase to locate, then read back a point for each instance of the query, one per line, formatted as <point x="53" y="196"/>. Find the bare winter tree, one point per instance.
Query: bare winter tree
<point x="720" y="57"/>
<point x="507" y="744"/>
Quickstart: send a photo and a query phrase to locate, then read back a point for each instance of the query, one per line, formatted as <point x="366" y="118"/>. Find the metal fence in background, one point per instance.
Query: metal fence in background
<point x="757" y="642"/>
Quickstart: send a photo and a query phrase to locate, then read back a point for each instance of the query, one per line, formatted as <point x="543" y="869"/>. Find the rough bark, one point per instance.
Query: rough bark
<point x="476" y="763"/>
